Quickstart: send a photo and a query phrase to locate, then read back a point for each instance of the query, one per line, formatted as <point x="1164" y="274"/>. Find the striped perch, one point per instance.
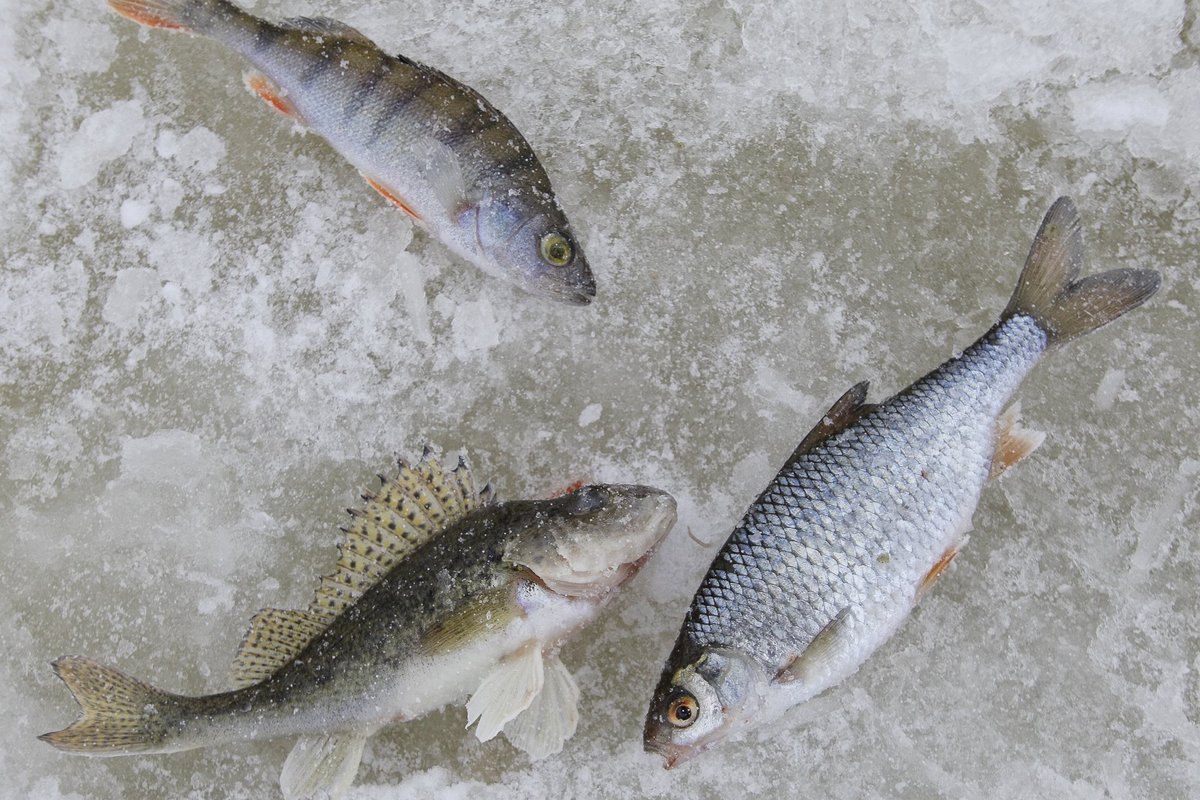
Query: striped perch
<point x="432" y="146"/>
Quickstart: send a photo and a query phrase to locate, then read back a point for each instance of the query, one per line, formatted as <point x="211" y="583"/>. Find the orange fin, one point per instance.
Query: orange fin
<point x="150" y="13"/>
<point x="403" y="206"/>
<point x="1013" y="442"/>
<point x="932" y="576"/>
<point x="271" y="94"/>
<point x="577" y="485"/>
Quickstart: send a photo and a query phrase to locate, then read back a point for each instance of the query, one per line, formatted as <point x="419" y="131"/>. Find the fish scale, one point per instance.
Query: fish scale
<point x="868" y="512"/>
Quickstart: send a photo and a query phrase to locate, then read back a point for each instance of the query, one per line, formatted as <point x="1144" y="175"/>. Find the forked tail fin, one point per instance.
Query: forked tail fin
<point x="1051" y="292"/>
<point x="119" y="714"/>
<point x="180" y="15"/>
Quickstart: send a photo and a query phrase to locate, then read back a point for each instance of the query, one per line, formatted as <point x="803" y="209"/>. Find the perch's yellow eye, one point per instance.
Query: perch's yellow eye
<point x="556" y="250"/>
<point x="683" y="711"/>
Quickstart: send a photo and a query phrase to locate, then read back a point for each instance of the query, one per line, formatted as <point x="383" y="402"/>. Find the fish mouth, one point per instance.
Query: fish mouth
<point x="672" y="754"/>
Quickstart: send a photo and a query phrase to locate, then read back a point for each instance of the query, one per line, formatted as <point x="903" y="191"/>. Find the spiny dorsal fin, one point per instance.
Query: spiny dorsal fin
<point x="407" y="511"/>
<point x="847" y="410"/>
<point x="275" y="637"/>
<point x="327" y="27"/>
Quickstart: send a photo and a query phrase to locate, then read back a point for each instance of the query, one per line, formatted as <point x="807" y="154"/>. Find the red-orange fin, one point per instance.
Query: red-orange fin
<point x="401" y="204"/>
<point x="932" y="576"/>
<point x="576" y="486"/>
<point x="271" y="94"/>
<point x="1013" y="442"/>
<point x="151" y="13"/>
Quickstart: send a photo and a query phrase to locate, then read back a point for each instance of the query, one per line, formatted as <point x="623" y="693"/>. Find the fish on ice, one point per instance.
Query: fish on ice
<point x="868" y="511"/>
<point x="439" y="592"/>
<point x="431" y="145"/>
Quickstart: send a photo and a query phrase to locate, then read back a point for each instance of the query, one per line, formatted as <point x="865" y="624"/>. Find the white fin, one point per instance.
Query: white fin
<point x="321" y="767"/>
<point x="550" y="720"/>
<point x="407" y="511"/>
<point x="506" y="691"/>
<point x="1013" y="441"/>
<point x="823" y="649"/>
<point x="327" y="27"/>
<point x="439" y="166"/>
<point x="275" y="637"/>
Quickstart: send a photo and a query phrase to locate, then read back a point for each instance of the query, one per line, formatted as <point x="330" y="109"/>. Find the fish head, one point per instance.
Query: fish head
<point x="525" y="238"/>
<point x="589" y="542"/>
<point x="717" y="692"/>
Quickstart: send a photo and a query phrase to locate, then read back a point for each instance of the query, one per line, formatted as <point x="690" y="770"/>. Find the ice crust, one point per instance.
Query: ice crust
<point x="214" y="335"/>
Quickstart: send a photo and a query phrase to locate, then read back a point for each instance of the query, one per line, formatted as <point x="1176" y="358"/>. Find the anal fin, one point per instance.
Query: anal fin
<point x="271" y="94"/>
<point x="551" y="718"/>
<point x="1013" y="442"/>
<point x="506" y="691"/>
<point x="322" y="766"/>
<point x="391" y="197"/>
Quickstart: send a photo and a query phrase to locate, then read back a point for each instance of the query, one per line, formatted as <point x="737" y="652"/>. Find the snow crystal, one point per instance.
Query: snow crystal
<point x="101" y="137"/>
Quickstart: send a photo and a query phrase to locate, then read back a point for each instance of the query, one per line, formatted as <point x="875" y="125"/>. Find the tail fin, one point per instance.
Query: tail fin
<point x="119" y="714"/>
<point x="1050" y="291"/>
<point x="180" y="15"/>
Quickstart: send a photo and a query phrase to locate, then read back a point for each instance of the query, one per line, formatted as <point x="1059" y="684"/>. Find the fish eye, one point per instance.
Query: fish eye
<point x="683" y="710"/>
<point x="555" y="249"/>
<point x="588" y="500"/>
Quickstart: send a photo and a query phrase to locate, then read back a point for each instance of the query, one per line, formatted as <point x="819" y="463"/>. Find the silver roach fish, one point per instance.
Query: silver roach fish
<point x="438" y="593"/>
<point x="867" y="513"/>
<point x="432" y="146"/>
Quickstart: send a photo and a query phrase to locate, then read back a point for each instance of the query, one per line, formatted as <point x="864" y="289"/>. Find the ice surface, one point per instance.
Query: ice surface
<point x="214" y="334"/>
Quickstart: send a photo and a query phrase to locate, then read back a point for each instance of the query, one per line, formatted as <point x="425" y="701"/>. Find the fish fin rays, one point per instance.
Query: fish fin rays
<point x="271" y="94"/>
<point x="392" y="197"/>
<point x="324" y="26"/>
<point x="506" y="691"/>
<point x="937" y="570"/>
<point x="1013" y="441"/>
<point x="322" y="766"/>
<point x="118" y="714"/>
<point x="845" y="411"/>
<point x="492" y="612"/>
<point x="275" y="637"/>
<point x="1049" y="292"/>
<point x="551" y="718"/>
<point x="168" y="14"/>
<point x="816" y="659"/>
<point x="421" y="501"/>
<point x="439" y="166"/>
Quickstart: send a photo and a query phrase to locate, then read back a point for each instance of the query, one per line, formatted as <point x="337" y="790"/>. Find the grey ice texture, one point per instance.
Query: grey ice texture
<point x="213" y="334"/>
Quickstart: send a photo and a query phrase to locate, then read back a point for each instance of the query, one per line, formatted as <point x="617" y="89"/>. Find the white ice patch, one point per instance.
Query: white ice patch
<point x="101" y="137"/>
<point x="590" y="414"/>
<point x="132" y="288"/>
<point x="1118" y="107"/>
<point x="475" y="329"/>
<point x="199" y="149"/>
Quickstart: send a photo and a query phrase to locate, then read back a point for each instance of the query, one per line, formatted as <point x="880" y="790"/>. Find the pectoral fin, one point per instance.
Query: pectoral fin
<point x="506" y="691"/>
<point x="322" y="766"/>
<point x="550" y="720"/>
<point x="821" y="651"/>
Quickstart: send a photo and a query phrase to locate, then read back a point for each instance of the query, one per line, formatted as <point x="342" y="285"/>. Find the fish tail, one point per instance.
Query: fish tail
<point x="197" y="16"/>
<point x="1051" y="292"/>
<point x="118" y="715"/>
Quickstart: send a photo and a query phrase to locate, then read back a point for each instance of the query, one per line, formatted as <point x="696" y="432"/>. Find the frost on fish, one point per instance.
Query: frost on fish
<point x="432" y="146"/>
<point x="868" y="511"/>
<point x="438" y="592"/>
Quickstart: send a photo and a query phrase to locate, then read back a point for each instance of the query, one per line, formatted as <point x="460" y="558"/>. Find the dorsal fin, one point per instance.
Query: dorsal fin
<point x="324" y="26"/>
<point x="275" y="637"/>
<point x="846" y="410"/>
<point x="407" y="511"/>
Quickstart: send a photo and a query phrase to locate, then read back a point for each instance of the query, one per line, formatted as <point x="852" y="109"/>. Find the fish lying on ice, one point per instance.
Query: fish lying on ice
<point x="868" y="512"/>
<point x="429" y="144"/>
<point x="439" y="592"/>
